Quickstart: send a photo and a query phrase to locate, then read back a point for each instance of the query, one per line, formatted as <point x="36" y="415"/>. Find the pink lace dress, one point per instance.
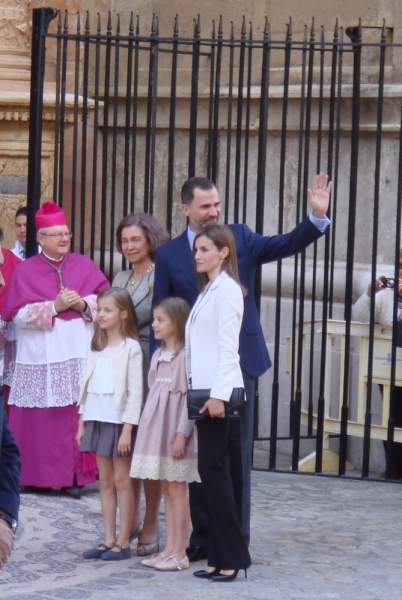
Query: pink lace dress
<point x="164" y="415"/>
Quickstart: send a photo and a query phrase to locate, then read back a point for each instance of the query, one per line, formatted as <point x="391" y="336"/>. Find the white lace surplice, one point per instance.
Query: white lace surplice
<point x="10" y="350"/>
<point x="51" y="357"/>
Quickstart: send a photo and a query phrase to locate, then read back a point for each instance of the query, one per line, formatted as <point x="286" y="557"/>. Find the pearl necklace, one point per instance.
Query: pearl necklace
<point x="133" y="279"/>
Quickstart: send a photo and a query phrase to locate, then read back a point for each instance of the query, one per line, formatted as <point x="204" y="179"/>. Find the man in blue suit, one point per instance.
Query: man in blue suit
<point x="9" y="476"/>
<point x="175" y="276"/>
<point x="9" y="484"/>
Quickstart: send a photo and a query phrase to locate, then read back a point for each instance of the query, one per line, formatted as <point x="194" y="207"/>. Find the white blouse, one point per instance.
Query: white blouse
<point x="100" y="403"/>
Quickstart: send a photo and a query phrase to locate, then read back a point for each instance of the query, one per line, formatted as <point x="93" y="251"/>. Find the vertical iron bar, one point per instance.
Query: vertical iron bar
<point x="282" y="167"/>
<point x="105" y="154"/>
<point x="63" y="108"/>
<point x="262" y="135"/>
<point x="151" y="119"/>
<point x="153" y="123"/>
<point x="377" y="175"/>
<point x="323" y="352"/>
<point x="239" y="121"/>
<point x="128" y="113"/>
<point x="114" y="145"/>
<point x="306" y="164"/>
<point x="172" y="126"/>
<point x="41" y="18"/>
<point x="355" y="36"/>
<point x="135" y="112"/>
<point x="393" y="399"/>
<point x="85" y="81"/>
<point x="247" y="124"/>
<point x="335" y="174"/>
<point x="95" y="140"/>
<point x="215" y="134"/>
<point x="57" y="112"/>
<point x="74" y="162"/>
<point x="296" y="260"/>
<point x="229" y="123"/>
<point x="211" y="100"/>
<point x="314" y="282"/>
<point x="195" y="68"/>
<point x="261" y="171"/>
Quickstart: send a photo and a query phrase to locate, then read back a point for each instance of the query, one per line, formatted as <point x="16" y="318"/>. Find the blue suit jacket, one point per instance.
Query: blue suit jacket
<point x="9" y="469"/>
<point x="175" y="276"/>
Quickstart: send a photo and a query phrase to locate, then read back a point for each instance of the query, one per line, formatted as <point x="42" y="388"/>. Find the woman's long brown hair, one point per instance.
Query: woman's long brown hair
<point x="128" y="326"/>
<point x="221" y="237"/>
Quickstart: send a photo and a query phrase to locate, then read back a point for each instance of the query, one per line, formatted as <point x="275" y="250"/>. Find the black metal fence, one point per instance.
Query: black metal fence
<point x="134" y="114"/>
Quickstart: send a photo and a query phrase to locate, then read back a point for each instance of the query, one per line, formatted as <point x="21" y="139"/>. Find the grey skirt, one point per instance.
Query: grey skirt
<point x="103" y="438"/>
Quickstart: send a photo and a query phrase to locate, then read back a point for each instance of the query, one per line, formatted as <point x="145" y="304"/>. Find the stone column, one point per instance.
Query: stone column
<point x="15" y="64"/>
<point x="14" y="108"/>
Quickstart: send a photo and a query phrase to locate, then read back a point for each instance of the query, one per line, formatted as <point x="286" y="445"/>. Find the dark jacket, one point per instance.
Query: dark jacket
<point x="9" y="468"/>
<point x="175" y="276"/>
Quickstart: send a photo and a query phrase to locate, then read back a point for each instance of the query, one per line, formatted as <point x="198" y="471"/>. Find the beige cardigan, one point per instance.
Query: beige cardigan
<point x="127" y="364"/>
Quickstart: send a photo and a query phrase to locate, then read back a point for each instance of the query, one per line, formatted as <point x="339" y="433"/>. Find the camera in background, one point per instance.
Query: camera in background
<point x="388" y="282"/>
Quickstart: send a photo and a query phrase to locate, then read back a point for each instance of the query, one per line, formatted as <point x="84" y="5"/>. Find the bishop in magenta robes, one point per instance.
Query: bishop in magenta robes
<point x="51" y="299"/>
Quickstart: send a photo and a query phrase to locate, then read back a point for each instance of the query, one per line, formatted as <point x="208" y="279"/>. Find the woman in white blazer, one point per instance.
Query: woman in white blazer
<point x="212" y="361"/>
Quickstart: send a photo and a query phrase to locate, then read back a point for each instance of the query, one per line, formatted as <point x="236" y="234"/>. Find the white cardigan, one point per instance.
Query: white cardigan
<point x="212" y="338"/>
<point x="127" y="364"/>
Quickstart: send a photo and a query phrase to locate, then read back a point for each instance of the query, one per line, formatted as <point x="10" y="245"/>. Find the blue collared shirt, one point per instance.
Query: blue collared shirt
<point x="190" y="236"/>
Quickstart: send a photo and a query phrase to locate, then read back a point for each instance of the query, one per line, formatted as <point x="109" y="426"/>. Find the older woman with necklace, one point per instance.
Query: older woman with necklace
<point x="137" y="237"/>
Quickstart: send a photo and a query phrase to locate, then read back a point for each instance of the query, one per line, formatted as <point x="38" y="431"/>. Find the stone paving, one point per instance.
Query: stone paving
<point x="314" y="538"/>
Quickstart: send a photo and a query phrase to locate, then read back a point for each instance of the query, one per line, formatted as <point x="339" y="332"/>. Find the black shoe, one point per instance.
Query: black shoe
<point x="395" y="473"/>
<point x="30" y="489"/>
<point x="204" y="574"/>
<point x="223" y="578"/>
<point x="26" y="489"/>
<point x="195" y="553"/>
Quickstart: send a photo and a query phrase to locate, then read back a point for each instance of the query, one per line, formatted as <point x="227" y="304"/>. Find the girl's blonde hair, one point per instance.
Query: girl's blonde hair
<point x="177" y="310"/>
<point x="128" y="326"/>
<point x="221" y="237"/>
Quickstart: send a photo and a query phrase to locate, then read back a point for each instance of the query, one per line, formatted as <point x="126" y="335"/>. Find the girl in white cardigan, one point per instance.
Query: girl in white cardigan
<point x="110" y="406"/>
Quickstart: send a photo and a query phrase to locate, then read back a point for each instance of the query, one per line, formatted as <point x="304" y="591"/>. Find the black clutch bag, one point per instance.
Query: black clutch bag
<point x="197" y="398"/>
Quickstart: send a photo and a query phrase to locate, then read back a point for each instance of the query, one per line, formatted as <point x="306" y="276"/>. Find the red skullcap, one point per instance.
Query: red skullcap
<point x="48" y="215"/>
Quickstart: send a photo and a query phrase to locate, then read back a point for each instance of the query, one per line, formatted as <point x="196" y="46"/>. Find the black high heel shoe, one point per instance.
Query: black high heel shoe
<point x="223" y="578"/>
<point x="204" y="574"/>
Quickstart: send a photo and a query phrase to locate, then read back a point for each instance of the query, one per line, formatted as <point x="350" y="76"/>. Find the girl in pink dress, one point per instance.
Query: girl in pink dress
<point x="165" y="447"/>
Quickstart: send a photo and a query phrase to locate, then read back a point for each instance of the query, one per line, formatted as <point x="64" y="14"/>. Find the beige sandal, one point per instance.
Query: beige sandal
<point x="147" y="549"/>
<point x="151" y="562"/>
<point x="171" y="563"/>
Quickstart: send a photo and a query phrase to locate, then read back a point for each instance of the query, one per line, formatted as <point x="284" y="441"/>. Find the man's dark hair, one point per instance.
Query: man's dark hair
<point x="1" y="235"/>
<point x="23" y="210"/>
<point x="187" y="191"/>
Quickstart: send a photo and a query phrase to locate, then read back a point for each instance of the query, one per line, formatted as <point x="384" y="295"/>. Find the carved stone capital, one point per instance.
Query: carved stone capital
<point x="15" y="167"/>
<point x="15" y="25"/>
<point x="14" y="106"/>
<point x="8" y="207"/>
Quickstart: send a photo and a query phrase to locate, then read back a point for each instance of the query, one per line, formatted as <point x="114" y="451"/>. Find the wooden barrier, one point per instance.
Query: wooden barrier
<point x="381" y="375"/>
